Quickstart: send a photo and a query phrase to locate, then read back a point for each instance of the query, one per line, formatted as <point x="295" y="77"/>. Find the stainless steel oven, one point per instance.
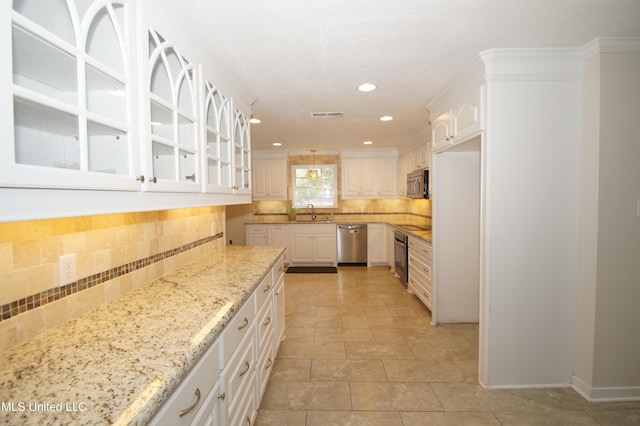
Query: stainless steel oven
<point x="400" y="255"/>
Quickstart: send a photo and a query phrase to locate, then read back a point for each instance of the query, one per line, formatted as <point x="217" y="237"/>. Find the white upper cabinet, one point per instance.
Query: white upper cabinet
<point x="369" y="174"/>
<point x="218" y="172"/>
<point x="69" y="88"/>
<point x="241" y="154"/>
<point x="458" y="116"/>
<point x="96" y="99"/>
<point x="173" y="127"/>
<point x="269" y="174"/>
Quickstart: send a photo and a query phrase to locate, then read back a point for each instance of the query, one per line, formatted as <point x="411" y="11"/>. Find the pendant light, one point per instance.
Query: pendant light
<point x="314" y="173"/>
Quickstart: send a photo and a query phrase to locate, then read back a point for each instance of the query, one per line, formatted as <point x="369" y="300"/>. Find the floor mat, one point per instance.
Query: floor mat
<point x="312" y="270"/>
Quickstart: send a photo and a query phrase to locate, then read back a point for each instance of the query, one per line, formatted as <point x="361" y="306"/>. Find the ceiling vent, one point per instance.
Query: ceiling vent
<point x="327" y="114"/>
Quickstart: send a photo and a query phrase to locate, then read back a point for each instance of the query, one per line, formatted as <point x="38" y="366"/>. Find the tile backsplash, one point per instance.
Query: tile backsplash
<point x="115" y="254"/>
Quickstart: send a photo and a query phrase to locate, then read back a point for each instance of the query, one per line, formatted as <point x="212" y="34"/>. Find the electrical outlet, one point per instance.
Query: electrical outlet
<point x="68" y="269"/>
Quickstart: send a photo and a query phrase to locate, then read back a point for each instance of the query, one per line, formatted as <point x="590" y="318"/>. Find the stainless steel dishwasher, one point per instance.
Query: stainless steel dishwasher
<point x="352" y="244"/>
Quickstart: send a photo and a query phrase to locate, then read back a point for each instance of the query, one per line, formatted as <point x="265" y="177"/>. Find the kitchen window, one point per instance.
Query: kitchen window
<point x="321" y="192"/>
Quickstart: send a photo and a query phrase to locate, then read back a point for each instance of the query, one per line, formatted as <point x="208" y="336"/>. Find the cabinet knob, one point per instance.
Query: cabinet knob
<point x="140" y="178"/>
<point x="222" y="396"/>
<point x="153" y="180"/>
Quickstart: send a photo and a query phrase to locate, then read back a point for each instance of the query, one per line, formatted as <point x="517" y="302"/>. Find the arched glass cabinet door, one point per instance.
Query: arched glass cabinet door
<point x="242" y="154"/>
<point x="70" y="96"/>
<point x="218" y="165"/>
<point x="173" y="119"/>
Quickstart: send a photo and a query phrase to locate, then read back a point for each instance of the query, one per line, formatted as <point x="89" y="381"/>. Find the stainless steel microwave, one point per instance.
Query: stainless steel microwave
<point x="418" y="184"/>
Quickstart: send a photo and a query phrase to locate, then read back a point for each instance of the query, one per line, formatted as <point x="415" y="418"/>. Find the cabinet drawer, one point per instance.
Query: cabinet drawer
<point x="421" y="266"/>
<point x="264" y="367"/>
<point x="264" y="292"/>
<point x="190" y="396"/>
<point x="421" y="291"/>
<point x="420" y="248"/>
<point x="278" y="269"/>
<point x="238" y="327"/>
<point x="265" y="326"/>
<point x="239" y="376"/>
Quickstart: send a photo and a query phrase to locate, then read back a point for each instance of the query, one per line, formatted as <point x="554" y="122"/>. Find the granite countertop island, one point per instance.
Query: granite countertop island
<point x="120" y="362"/>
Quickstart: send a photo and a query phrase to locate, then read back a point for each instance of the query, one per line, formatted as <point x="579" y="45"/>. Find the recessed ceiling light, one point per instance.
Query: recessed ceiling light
<point x="367" y="87"/>
<point x="276" y="144"/>
<point x="386" y="118"/>
<point x="368" y="142"/>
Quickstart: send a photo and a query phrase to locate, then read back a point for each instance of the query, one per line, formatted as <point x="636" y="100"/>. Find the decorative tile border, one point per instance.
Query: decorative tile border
<point x="20" y="306"/>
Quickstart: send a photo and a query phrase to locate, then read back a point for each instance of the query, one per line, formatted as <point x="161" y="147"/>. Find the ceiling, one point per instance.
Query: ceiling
<point x="298" y="57"/>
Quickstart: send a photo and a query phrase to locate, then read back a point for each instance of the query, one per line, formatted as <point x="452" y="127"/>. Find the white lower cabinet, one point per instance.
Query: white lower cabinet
<point x="313" y="244"/>
<point x="268" y="235"/>
<point x="420" y="273"/>
<point x="256" y="235"/>
<point x="377" y="244"/>
<point x="238" y="380"/>
<point x="227" y="384"/>
<point x="196" y="398"/>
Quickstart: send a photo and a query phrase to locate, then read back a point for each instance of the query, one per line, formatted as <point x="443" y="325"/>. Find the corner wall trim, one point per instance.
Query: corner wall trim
<point x="605" y="394"/>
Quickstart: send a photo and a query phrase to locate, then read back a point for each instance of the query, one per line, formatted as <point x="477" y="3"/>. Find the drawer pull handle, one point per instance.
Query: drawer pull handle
<point x="188" y="409"/>
<point x="244" y="325"/>
<point x="267" y="322"/>
<point x="266" y="289"/>
<point x="269" y="364"/>
<point x="222" y="396"/>
<point x="246" y="370"/>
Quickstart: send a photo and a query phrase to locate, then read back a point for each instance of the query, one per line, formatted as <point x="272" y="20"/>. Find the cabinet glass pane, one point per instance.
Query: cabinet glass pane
<point x="242" y="178"/>
<point x="225" y="174"/>
<point x="187" y="167"/>
<point x="213" y="172"/>
<point x="161" y="121"/>
<point x="185" y="95"/>
<point x="45" y="136"/>
<point x="102" y="39"/>
<point x="224" y="122"/>
<point x="108" y="149"/>
<point x="186" y="132"/>
<point x="160" y="84"/>
<point x="106" y="96"/>
<point x="225" y="149"/>
<point x="212" y="144"/>
<point x="52" y="15"/>
<point x="41" y="67"/>
<point x="163" y="161"/>
<point x="213" y="115"/>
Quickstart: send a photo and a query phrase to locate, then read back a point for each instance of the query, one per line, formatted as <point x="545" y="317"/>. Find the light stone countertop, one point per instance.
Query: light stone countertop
<point x="119" y="363"/>
<point x="424" y="234"/>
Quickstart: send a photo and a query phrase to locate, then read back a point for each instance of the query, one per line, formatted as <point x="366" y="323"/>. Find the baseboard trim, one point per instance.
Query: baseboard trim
<point x="605" y="394"/>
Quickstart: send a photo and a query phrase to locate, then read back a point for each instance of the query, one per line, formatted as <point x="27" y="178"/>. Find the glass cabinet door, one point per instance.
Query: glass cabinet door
<point x="175" y="153"/>
<point x="219" y="174"/>
<point x="241" y="156"/>
<point x="70" y="96"/>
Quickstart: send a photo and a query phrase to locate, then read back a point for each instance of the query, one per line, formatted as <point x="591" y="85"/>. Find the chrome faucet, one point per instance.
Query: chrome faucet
<point x="314" y="215"/>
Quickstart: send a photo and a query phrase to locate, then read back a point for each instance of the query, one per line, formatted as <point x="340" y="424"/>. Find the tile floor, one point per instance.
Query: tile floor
<point x="360" y="350"/>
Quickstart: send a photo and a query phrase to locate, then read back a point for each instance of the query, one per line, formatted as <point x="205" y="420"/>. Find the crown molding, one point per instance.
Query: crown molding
<point x="610" y="44"/>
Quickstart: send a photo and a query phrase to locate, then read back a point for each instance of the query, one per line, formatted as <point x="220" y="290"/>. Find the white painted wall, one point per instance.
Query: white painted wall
<point x="456" y="233"/>
<point x="533" y="145"/>
<point x="608" y="347"/>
